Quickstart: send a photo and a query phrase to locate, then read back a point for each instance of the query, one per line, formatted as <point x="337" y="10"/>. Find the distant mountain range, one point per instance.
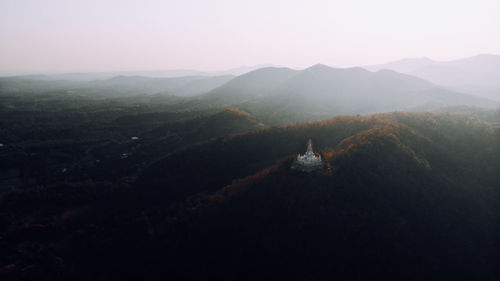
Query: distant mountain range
<point x="279" y="95"/>
<point x="118" y="86"/>
<point x="324" y="91"/>
<point x="90" y="76"/>
<point x="478" y="75"/>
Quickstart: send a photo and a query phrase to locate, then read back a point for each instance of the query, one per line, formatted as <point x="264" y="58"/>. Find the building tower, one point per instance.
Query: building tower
<point x="308" y="162"/>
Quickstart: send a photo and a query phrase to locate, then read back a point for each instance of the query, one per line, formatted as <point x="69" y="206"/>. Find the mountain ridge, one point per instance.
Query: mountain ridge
<point x="477" y="75"/>
<point x="321" y="92"/>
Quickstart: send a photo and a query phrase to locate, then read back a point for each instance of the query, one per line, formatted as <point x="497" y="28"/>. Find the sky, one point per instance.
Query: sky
<point x="43" y="36"/>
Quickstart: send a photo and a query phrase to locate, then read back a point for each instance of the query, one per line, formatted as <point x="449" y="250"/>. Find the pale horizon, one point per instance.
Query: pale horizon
<point x="211" y="71"/>
<point x="56" y="36"/>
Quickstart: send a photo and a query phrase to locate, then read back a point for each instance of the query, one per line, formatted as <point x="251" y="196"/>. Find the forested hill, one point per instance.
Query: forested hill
<point x="402" y="197"/>
<point x="447" y="141"/>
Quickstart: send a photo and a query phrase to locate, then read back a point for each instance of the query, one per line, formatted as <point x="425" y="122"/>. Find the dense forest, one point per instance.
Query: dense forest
<point x="158" y="187"/>
<point x="249" y="140"/>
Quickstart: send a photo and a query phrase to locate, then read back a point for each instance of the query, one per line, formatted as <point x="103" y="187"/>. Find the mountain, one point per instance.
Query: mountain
<point x="476" y="75"/>
<point x="398" y="197"/>
<point x="354" y="89"/>
<point x="320" y="92"/>
<point x="254" y="84"/>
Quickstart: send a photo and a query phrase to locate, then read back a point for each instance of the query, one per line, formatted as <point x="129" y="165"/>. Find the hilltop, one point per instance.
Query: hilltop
<point x="398" y="198"/>
<point x="320" y="92"/>
<point x="243" y="154"/>
<point x="477" y="75"/>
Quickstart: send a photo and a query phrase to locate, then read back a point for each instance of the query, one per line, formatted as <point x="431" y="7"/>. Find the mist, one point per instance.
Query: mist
<point x="249" y="140"/>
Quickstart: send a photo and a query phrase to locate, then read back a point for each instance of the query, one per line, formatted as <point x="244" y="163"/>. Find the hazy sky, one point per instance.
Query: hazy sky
<point x="103" y="35"/>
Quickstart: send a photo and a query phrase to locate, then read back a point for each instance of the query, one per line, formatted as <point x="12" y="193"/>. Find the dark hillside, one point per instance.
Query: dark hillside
<point x="217" y="162"/>
<point x="441" y="141"/>
<point x="402" y="196"/>
<point x="399" y="200"/>
<point x="387" y="220"/>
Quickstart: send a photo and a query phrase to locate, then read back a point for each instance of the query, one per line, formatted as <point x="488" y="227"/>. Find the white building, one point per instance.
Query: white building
<point x="308" y="162"/>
